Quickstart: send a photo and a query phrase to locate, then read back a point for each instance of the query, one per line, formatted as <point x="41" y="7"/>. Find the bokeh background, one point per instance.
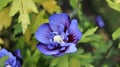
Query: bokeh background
<point x="98" y="47"/>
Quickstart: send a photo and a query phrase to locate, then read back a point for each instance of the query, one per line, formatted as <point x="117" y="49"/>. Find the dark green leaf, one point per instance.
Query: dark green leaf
<point x="17" y="29"/>
<point x="31" y="60"/>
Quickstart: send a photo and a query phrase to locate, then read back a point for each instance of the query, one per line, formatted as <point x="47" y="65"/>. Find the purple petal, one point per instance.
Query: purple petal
<point x="59" y="19"/>
<point x="18" y="58"/>
<point x="44" y="49"/>
<point x="74" y="33"/>
<point x="43" y="33"/>
<point x="3" y="52"/>
<point x="59" y="54"/>
<point x="17" y="53"/>
<point x="11" y="60"/>
<point x="100" y="21"/>
<point x="71" y="48"/>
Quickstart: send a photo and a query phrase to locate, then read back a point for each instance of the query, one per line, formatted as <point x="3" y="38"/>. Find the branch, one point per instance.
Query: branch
<point x="105" y="56"/>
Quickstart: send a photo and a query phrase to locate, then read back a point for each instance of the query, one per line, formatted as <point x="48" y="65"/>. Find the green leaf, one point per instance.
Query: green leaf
<point x="31" y="60"/>
<point x="4" y="3"/>
<point x="36" y="56"/>
<point x="17" y="29"/>
<point x="63" y="62"/>
<point x="5" y="19"/>
<point x="57" y="62"/>
<point x="20" y="42"/>
<point x="74" y="3"/>
<point x="54" y="62"/>
<point x="2" y="61"/>
<point x="74" y="62"/>
<point x="116" y="34"/>
<point x="37" y="20"/>
<point x="27" y="60"/>
<point x="85" y="37"/>
<point x="89" y="32"/>
<point x="23" y="7"/>
<point x="86" y="60"/>
<point x="89" y="65"/>
<point x="114" y="4"/>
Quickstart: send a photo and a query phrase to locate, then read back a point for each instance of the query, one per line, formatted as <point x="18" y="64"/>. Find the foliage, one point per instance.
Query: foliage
<point x="19" y="20"/>
<point x="4" y="3"/>
<point x="5" y="20"/>
<point x="31" y="60"/>
<point x="115" y="4"/>
<point x="116" y="34"/>
<point x="2" y="60"/>
<point x="23" y="7"/>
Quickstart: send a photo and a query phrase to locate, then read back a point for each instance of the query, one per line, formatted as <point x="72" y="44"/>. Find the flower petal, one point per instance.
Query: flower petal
<point x="17" y="53"/>
<point x="57" y="20"/>
<point x="100" y="21"/>
<point x="74" y="33"/>
<point x="11" y="60"/>
<point x="3" y="52"/>
<point x="71" y="48"/>
<point x="19" y="60"/>
<point x="43" y="33"/>
<point x="44" y="49"/>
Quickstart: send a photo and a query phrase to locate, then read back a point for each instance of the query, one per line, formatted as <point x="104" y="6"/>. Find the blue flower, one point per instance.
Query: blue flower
<point x="100" y="21"/>
<point x="13" y="60"/>
<point x="59" y="36"/>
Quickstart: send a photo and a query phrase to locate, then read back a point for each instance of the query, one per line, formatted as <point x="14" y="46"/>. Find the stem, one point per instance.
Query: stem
<point x="105" y="56"/>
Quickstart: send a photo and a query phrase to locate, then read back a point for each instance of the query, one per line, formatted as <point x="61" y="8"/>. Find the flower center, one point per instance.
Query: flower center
<point x="8" y="66"/>
<point x="58" y="39"/>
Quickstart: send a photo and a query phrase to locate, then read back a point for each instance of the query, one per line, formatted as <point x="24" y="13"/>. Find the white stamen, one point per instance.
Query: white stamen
<point x="58" y="39"/>
<point x="8" y="66"/>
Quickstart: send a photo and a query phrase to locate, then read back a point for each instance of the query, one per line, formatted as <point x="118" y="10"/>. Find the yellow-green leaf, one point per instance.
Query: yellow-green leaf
<point x="1" y="41"/>
<point x="74" y="3"/>
<point x="24" y="20"/>
<point x="64" y="62"/>
<point x="74" y="62"/>
<point x="2" y="61"/>
<point x="40" y="1"/>
<point x="116" y="34"/>
<point x="5" y="19"/>
<point x="89" y="32"/>
<point x="4" y="3"/>
<point x="23" y="7"/>
<point x="114" y="4"/>
<point x="15" y="8"/>
<point x="51" y="6"/>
